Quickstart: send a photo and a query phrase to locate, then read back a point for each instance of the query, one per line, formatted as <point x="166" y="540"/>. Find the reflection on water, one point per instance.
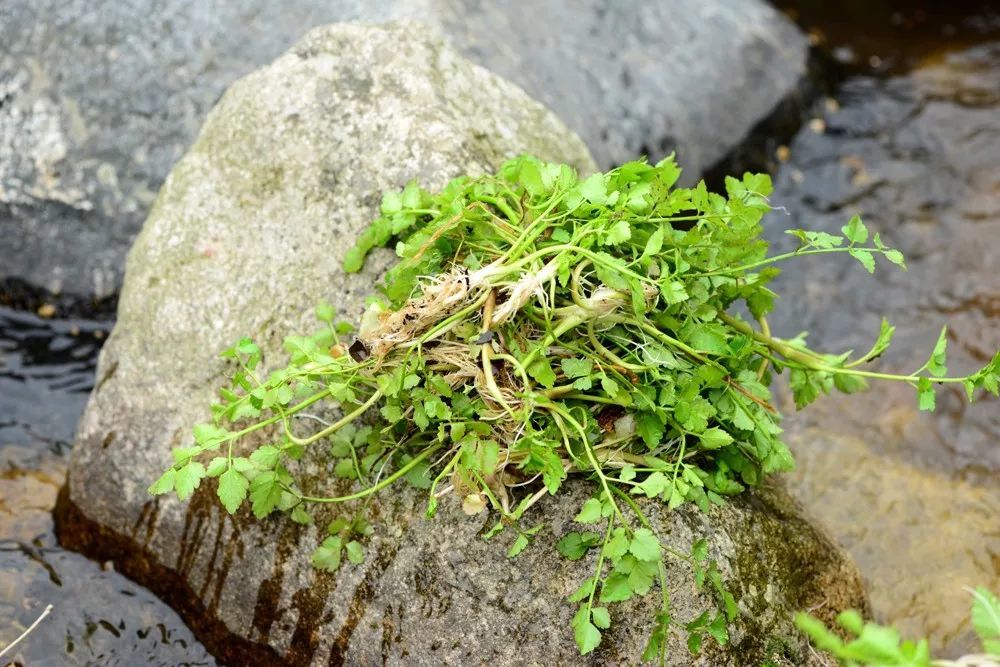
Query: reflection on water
<point x="98" y="616"/>
<point x="918" y="156"/>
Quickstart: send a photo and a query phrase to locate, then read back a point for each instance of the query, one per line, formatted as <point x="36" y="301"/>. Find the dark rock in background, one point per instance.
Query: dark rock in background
<point x="98" y="100"/>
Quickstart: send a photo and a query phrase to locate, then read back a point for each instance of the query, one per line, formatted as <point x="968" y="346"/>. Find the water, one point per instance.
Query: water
<point x="99" y="617"/>
<point x="914" y="498"/>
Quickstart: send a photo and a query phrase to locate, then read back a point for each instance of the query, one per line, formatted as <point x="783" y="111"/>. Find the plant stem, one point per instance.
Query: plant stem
<point x="810" y="361"/>
<point x="381" y="485"/>
<point x="340" y="423"/>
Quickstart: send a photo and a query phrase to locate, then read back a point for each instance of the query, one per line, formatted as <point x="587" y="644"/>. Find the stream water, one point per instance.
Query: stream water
<point x="909" y="137"/>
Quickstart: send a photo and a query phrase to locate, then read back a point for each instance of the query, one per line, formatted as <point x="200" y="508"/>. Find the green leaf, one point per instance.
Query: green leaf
<point x="210" y="436"/>
<point x="885" y="333"/>
<point x="694" y="642"/>
<point x="650" y="428"/>
<point x="233" y="488"/>
<point x="519" y="545"/>
<point x="986" y="619"/>
<point x="617" y="546"/>
<point x="575" y="545"/>
<point x="655" y="484"/>
<point x="217" y="466"/>
<point x="925" y="395"/>
<point x="541" y="371"/>
<point x="820" y="240"/>
<point x="602" y="618"/>
<point x="645" y="545"/>
<point x="849" y="384"/>
<point x="266" y="457"/>
<point x="587" y="636"/>
<point x="576" y="368"/>
<point x="616" y="588"/>
<point x="717" y="629"/>
<point x="610" y="387"/>
<point x="300" y="516"/>
<point x="936" y="366"/>
<point x="324" y="312"/>
<point x="715" y="438"/>
<point x="265" y="493"/>
<point x="594" y="190"/>
<point x="355" y="552"/>
<point x="187" y="479"/>
<point x="327" y="555"/>
<point x="591" y="512"/>
<point x="620" y="232"/>
<point x="855" y="230"/>
<point x="673" y="292"/>
<point x="654" y="243"/>
<point x="865" y="257"/>
<point x="165" y="484"/>
<point x="896" y="257"/>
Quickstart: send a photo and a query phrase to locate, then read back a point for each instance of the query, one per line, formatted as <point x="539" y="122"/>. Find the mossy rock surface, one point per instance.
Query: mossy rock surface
<point x="246" y="235"/>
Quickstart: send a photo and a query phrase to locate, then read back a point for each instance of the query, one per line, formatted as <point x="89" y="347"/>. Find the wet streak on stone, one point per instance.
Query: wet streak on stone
<point x="265" y="610"/>
<point x="147" y="516"/>
<point x="76" y="531"/>
<point x="387" y="628"/>
<point x="363" y="594"/>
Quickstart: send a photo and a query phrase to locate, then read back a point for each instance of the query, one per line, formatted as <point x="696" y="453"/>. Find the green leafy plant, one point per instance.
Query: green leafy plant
<point x="539" y="325"/>
<point x="873" y="645"/>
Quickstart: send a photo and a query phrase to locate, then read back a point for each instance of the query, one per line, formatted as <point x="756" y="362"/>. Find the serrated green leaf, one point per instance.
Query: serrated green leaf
<point x="936" y="365"/>
<point x="587" y="636"/>
<point x="576" y="368"/>
<point x="232" y="490"/>
<point x="896" y="257"/>
<point x="616" y="588"/>
<point x="188" y="478"/>
<point x="855" y="230"/>
<point x="265" y="493"/>
<point x="165" y="484"/>
<point x="645" y="545"/>
<point x="591" y="512"/>
<point x="266" y="457"/>
<point x="925" y="395"/>
<point x="327" y="556"/>
<point x="541" y="371"/>
<point x="519" y="545"/>
<point x="575" y="545"/>
<point x="865" y="258"/>
<point x="986" y="619"/>
<point x="355" y="552"/>
<point x="715" y="438"/>
<point x="618" y="233"/>
<point x="601" y="617"/>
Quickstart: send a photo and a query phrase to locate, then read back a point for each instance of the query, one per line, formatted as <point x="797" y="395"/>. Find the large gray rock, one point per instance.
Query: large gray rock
<point x="99" y="99"/>
<point x="246" y="235"/>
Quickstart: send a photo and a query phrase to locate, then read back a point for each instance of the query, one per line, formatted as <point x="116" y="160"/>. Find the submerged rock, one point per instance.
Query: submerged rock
<point x="918" y="157"/>
<point x="247" y="234"/>
<point x="99" y="99"/>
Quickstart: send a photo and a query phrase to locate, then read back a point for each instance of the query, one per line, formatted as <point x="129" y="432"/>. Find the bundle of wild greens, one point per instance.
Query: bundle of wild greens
<point x="539" y="326"/>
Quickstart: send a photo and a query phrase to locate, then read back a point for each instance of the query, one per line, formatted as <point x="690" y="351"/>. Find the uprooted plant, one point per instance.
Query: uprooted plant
<point x="539" y="326"/>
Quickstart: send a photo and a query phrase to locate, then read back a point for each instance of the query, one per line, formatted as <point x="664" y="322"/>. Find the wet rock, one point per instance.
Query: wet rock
<point x="99" y="99"/>
<point x="918" y="156"/>
<point x="247" y="234"/>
